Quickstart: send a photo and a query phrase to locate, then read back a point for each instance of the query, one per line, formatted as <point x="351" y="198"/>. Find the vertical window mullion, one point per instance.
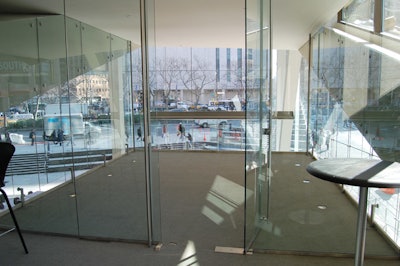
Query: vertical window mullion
<point x="378" y="16"/>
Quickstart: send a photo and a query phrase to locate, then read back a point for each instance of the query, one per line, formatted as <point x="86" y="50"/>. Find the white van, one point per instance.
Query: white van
<point x="182" y="105"/>
<point x="54" y="122"/>
<point x="22" y="116"/>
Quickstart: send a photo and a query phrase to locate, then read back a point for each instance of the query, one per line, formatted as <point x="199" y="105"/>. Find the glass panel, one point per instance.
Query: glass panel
<point x="353" y="104"/>
<point x="257" y="118"/>
<point x="332" y="92"/>
<point x="184" y="133"/>
<point x="391" y="17"/>
<point x="137" y="97"/>
<point x="198" y="79"/>
<point x="19" y="74"/>
<point x="44" y="54"/>
<point x="53" y="89"/>
<point x="188" y="84"/>
<point x="360" y="13"/>
<point x="129" y="106"/>
<point x="103" y="85"/>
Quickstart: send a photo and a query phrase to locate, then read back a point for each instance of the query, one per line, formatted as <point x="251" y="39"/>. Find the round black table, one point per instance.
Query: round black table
<point x="363" y="173"/>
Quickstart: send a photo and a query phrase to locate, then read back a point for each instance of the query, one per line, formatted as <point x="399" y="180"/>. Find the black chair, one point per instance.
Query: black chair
<point x="6" y="152"/>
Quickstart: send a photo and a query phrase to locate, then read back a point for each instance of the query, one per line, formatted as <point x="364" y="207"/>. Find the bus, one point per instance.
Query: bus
<point x="225" y="105"/>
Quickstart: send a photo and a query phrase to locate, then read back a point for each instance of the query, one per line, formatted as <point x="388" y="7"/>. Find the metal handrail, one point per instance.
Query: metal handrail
<point x="198" y="115"/>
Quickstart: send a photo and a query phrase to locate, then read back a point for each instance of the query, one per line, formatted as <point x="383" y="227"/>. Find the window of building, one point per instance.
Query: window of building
<point x="391" y="17"/>
<point x="360" y="13"/>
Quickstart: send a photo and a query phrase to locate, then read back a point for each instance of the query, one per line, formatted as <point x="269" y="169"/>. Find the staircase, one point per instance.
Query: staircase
<point x="25" y="164"/>
<point x="298" y="140"/>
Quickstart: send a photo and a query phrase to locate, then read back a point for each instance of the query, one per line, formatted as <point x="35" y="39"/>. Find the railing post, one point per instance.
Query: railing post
<point x="373" y="208"/>
<point x="72" y="173"/>
<point x="22" y="199"/>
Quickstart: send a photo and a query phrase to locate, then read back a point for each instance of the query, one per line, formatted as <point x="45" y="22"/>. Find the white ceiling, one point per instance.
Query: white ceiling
<point x="197" y="23"/>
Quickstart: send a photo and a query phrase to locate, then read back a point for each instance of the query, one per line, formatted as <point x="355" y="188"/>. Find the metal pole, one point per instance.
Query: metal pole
<point x="361" y="226"/>
<point x="308" y="95"/>
<point x="146" y="116"/>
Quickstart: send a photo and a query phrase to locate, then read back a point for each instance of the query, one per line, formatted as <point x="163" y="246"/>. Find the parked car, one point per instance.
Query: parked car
<point x="204" y="123"/>
<point x="182" y="105"/>
<point x="235" y="125"/>
<point x="177" y="110"/>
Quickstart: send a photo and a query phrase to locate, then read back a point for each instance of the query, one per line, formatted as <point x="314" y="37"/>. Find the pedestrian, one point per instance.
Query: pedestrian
<point x="181" y="131"/>
<point x="190" y="139"/>
<point x="32" y="136"/>
<point x="72" y="140"/>
<point x="139" y="133"/>
<point x="164" y="131"/>
<point x="314" y="137"/>
<point x="60" y="136"/>
<point x="327" y="139"/>
<point x="8" y="138"/>
<point x="53" y="136"/>
<point x="165" y="134"/>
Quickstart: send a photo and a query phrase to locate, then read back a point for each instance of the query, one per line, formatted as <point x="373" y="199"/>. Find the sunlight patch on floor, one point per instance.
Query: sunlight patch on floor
<point x="224" y="197"/>
<point x="189" y="255"/>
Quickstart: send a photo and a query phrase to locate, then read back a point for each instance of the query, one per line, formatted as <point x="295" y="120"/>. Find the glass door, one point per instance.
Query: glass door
<point x="257" y="117"/>
<point x="116" y="201"/>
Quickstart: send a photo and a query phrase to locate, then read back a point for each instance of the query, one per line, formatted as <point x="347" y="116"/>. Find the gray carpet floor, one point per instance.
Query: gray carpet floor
<point x="201" y="207"/>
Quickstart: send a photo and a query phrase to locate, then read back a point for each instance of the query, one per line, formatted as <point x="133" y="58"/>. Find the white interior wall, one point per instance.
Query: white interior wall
<point x="287" y="76"/>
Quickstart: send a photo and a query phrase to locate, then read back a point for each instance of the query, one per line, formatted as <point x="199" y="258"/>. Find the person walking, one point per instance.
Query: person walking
<point x="327" y="139"/>
<point x="190" y="140"/>
<point x="8" y="138"/>
<point x="60" y="136"/>
<point x="139" y="133"/>
<point x="165" y="134"/>
<point x="32" y="136"/>
<point x="164" y="131"/>
<point x="181" y="131"/>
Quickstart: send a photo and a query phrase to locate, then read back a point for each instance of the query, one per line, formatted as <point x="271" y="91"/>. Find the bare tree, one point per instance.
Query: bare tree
<point x="195" y="77"/>
<point x="137" y="80"/>
<point x="238" y="79"/>
<point x="168" y="71"/>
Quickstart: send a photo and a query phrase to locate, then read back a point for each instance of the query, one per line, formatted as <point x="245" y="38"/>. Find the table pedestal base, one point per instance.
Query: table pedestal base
<point x="361" y="226"/>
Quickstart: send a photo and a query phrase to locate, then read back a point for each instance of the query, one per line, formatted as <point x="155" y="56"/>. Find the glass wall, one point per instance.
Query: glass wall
<point x="40" y="78"/>
<point x="184" y="88"/>
<point x="75" y="89"/>
<point x="67" y="105"/>
<point x="354" y="109"/>
<point x="198" y="79"/>
<point x="350" y="95"/>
